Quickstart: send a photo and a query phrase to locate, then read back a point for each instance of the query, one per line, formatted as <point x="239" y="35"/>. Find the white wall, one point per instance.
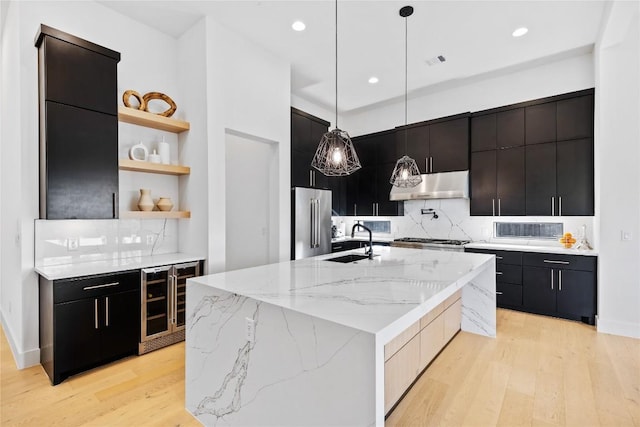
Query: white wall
<point x="147" y="64"/>
<point x="563" y="76"/>
<point x="617" y="173"/>
<point x="248" y="93"/>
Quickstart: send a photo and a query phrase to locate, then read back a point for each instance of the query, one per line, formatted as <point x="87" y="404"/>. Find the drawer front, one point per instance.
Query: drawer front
<point x="95" y="286"/>
<point x="398" y="342"/>
<point x="509" y="274"/>
<point x="502" y="257"/>
<point x="508" y="295"/>
<point x="560" y="261"/>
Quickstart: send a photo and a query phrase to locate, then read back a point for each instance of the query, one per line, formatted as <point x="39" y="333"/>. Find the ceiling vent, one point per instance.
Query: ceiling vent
<point x="435" y="60"/>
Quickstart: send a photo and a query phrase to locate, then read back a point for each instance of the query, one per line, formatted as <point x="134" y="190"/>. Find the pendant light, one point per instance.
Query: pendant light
<point x="335" y="155"/>
<point x="406" y="172"/>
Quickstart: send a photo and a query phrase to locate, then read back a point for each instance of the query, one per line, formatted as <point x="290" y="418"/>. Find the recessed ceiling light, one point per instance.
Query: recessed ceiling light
<point x="519" y="32"/>
<point x="298" y="26"/>
<point x="373" y="80"/>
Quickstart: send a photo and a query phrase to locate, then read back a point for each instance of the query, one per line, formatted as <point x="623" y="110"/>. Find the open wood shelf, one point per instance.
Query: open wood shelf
<point x="138" y="166"/>
<point x="155" y="214"/>
<point x="155" y="121"/>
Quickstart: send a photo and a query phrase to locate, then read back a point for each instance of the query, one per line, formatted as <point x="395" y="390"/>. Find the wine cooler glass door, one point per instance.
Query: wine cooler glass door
<point x="156" y="302"/>
<point x="182" y="273"/>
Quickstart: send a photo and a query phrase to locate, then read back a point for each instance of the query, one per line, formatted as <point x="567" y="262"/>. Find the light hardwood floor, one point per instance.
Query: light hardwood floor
<point x="538" y="372"/>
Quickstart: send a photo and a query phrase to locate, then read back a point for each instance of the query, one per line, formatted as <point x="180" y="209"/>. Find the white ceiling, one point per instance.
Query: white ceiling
<point x="474" y="36"/>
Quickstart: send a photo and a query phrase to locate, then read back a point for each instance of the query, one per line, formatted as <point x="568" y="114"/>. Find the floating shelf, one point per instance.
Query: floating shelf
<point x="138" y="166"/>
<point x="155" y="215"/>
<point x="142" y="118"/>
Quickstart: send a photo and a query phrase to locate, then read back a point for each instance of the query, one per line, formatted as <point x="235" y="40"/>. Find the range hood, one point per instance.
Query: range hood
<point x="444" y="185"/>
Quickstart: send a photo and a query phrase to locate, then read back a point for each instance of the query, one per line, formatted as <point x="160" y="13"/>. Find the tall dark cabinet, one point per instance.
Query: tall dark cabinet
<point x="78" y="127"/>
<point x="306" y="132"/>
<point x="546" y="147"/>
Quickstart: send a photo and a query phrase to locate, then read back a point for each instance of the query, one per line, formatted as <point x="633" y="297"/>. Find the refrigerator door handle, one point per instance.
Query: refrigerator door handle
<point x="312" y="222"/>
<point x="317" y="223"/>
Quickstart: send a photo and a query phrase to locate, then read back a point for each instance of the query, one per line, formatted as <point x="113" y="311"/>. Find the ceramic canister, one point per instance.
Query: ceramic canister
<point x="163" y="150"/>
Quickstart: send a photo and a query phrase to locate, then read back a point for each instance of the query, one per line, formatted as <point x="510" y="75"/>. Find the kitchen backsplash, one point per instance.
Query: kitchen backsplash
<point x="454" y="222"/>
<point x="70" y="241"/>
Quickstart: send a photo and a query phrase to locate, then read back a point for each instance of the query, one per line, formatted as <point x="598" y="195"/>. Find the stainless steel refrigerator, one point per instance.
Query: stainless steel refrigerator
<point x="310" y="222"/>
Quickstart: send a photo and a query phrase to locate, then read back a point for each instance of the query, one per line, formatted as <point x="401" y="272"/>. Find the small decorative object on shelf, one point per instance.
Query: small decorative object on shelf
<point x="164" y="204"/>
<point x="145" y="202"/>
<point x="144" y="101"/>
<point x="583" y="244"/>
<point x="567" y="240"/>
<point x="142" y="104"/>
<point x="154" y="157"/>
<point x="163" y="150"/>
<point x="139" y="152"/>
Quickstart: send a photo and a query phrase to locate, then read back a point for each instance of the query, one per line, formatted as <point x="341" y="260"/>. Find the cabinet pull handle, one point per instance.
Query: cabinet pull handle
<point x="95" y="313"/>
<point x="426" y="164"/>
<point x="106" y="285"/>
<point x="553" y="206"/>
<point x="499" y="273"/>
<point x="499" y="257"/>
<point x="550" y="261"/>
<point x="499" y="208"/>
<point x="560" y="280"/>
<point x="114" y="211"/>
<point x="551" y="279"/>
<point x="175" y="299"/>
<point x="106" y="310"/>
<point x="498" y="293"/>
<point x="355" y="209"/>
<point x="493" y="207"/>
<point x="430" y="164"/>
<point x="337" y="247"/>
<point x="560" y="206"/>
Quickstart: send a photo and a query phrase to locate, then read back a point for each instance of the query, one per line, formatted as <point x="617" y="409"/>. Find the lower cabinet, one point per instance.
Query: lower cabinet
<point x="408" y="354"/>
<point x="560" y="285"/>
<point x="347" y="245"/>
<point x="88" y="321"/>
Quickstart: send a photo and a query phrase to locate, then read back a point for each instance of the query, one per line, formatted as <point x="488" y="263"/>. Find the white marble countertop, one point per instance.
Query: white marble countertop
<point x="66" y="271"/>
<point x="361" y="239"/>
<point x="382" y="296"/>
<point x="531" y="248"/>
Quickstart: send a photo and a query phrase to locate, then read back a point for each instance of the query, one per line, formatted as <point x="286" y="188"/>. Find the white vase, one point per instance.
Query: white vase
<point x="163" y="150"/>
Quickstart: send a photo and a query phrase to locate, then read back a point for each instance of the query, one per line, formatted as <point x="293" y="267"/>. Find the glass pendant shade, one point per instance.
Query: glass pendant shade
<point x="406" y="173"/>
<point x="335" y="155"/>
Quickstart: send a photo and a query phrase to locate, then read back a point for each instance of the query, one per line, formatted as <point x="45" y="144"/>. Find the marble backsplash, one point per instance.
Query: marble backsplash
<point x="454" y="222"/>
<point x="72" y="241"/>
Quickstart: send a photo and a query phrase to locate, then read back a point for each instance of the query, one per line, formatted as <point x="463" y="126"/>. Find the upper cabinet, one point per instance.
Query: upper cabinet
<point x="440" y="145"/>
<point x="78" y="127"/>
<point x="306" y="132"/>
<point x="556" y="163"/>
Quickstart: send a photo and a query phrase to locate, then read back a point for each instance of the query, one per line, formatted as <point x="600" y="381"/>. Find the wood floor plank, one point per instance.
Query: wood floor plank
<point x="539" y="371"/>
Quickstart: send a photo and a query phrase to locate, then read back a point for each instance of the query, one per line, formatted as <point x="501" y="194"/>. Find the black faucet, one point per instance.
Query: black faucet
<point x="367" y="251"/>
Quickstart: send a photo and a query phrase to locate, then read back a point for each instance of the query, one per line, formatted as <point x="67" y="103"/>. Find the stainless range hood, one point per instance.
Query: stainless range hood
<point x="443" y="185"/>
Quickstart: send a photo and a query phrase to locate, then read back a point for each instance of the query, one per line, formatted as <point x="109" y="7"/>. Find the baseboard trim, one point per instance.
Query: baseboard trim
<point x="22" y="359"/>
<point x="615" y="327"/>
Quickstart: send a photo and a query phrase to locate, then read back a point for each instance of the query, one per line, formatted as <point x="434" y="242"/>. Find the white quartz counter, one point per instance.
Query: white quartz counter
<point x="302" y="342"/>
<point x="531" y="248"/>
<point x="367" y="295"/>
<point x="67" y="271"/>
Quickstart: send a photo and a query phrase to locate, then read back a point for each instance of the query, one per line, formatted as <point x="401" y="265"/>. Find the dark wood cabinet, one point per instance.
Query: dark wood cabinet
<point x="508" y="277"/>
<point x="544" y="283"/>
<point x="497" y="182"/>
<point x="553" y="176"/>
<point x="368" y="188"/>
<point x="440" y="145"/>
<point x="81" y="152"/>
<point x="306" y="133"/>
<point x="540" y="123"/>
<point x="559" y="178"/>
<point x="88" y="321"/>
<point x="78" y="127"/>
<point x="560" y="285"/>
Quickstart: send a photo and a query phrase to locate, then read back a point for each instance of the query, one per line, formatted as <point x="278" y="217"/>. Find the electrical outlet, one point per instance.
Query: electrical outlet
<point x="150" y="239"/>
<point x="72" y="244"/>
<point x="626" y="236"/>
<point x="250" y="329"/>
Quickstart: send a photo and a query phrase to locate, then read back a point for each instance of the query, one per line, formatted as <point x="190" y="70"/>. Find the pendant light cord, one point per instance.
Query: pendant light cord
<point x="336" y="64"/>
<point x="406" y="67"/>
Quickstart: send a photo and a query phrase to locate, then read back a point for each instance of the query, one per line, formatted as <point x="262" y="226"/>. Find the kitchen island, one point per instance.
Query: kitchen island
<point x="303" y="342"/>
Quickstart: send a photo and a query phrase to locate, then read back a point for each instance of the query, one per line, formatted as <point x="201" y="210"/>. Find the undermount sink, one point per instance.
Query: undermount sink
<point x="348" y="258"/>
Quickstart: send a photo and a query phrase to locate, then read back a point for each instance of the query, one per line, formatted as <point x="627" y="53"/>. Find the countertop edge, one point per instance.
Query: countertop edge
<point x="530" y="248"/>
<point x="90" y="268"/>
